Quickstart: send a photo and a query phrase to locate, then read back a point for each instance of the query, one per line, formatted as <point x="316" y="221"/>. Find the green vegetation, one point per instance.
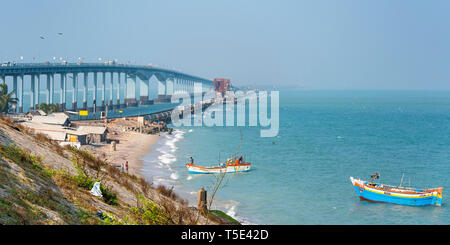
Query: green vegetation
<point x="85" y="181"/>
<point x="32" y="197"/>
<point x="24" y="159"/>
<point x="6" y="99"/>
<point x="149" y="213"/>
<point x="225" y="217"/>
<point x="49" y="108"/>
<point x="32" y="192"/>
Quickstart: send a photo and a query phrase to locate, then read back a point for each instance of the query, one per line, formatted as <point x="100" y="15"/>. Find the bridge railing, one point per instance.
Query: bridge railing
<point x="46" y="65"/>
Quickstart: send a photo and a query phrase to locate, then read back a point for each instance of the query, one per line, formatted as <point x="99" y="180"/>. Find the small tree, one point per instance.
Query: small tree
<point x="6" y="99"/>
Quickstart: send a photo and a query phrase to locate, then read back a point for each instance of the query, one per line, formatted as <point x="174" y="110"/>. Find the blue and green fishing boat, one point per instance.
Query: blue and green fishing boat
<point x="374" y="192"/>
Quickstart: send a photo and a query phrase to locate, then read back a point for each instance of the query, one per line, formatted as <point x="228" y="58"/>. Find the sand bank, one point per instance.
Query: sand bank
<point x="131" y="147"/>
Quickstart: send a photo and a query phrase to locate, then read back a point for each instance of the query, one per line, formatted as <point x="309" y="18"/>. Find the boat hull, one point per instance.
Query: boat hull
<point x="365" y="192"/>
<point x="194" y="169"/>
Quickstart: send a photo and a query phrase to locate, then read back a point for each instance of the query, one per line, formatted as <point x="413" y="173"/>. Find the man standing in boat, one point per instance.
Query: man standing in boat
<point x="192" y="160"/>
<point x="241" y="159"/>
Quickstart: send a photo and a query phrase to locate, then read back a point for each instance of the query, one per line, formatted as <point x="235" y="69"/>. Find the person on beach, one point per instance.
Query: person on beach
<point x="122" y="167"/>
<point x="126" y="166"/>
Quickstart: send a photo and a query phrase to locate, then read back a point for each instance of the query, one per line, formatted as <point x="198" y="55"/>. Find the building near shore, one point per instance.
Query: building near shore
<point x="57" y="132"/>
<point x="74" y="136"/>
<point x="95" y="134"/>
<point x="53" y="119"/>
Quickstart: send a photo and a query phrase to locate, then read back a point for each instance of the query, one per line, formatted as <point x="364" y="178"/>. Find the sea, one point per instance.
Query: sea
<point x="301" y="176"/>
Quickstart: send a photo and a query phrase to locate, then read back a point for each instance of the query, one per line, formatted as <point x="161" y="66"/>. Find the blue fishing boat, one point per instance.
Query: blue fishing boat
<point x="374" y="192"/>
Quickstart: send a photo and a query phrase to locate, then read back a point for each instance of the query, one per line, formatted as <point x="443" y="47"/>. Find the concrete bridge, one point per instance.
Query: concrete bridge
<point x="135" y="82"/>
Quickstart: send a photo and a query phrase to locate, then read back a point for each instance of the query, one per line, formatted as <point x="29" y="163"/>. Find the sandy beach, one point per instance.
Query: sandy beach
<point x="132" y="147"/>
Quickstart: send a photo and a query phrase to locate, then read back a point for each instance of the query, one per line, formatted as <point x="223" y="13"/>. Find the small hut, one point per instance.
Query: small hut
<point x="95" y="134"/>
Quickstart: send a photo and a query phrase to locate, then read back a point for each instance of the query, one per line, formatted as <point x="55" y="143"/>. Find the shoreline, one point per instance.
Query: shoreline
<point x="132" y="147"/>
<point x="161" y="166"/>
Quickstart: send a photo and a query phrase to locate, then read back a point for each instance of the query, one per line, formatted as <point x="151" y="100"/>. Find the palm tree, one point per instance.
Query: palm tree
<point x="6" y="99"/>
<point x="49" y="108"/>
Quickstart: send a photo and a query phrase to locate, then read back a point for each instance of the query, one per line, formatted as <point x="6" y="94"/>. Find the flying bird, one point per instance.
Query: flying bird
<point x="60" y="33"/>
<point x="42" y="37"/>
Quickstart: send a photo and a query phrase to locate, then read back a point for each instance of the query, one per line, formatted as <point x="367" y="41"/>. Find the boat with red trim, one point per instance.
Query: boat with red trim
<point x="374" y="192"/>
<point x="231" y="166"/>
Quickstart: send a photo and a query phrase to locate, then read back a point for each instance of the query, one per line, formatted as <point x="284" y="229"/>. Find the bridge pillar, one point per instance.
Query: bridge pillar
<point x="35" y="90"/>
<point x="38" y="90"/>
<point x="14" y="89"/>
<point x="144" y="92"/>
<point x="126" y="85"/>
<point x="118" y="90"/>
<point x="94" y="97"/>
<point x="180" y="84"/>
<point x="137" y="90"/>
<point x="63" y="86"/>
<point x="103" y="89"/>
<point x="169" y="86"/>
<point x="124" y="90"/>
<point x="131" y="96"/>
<point x="74" y="91"/>
<point x="32" y="90"/>
<point x="52" y="89"/>
<point x="162" y="91"/>
<point x="111" y="83"/>
<point x="20" y="95"/>
<point x="176" y="85"/>
<point x="148" y="92"/>
<point x="161" y="88"/>
<point x="85" y="89"/>
<point x="49" y="88"/>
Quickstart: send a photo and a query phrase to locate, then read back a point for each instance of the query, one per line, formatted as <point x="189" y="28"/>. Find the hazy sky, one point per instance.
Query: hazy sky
<point x="308" y="44"/>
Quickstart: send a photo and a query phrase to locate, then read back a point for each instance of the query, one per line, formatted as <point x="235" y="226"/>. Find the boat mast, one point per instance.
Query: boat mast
<point x="401" y="181"/>
<point x="239" y="146"/>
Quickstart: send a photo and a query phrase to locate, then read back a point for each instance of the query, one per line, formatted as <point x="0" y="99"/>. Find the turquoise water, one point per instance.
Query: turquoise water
<point x="302" y="175"/>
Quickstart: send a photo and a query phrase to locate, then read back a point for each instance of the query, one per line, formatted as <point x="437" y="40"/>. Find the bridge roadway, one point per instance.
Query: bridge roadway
<point x="134" y="78"/>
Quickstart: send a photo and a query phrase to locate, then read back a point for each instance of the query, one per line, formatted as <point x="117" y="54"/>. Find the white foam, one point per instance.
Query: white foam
<point x="167" y="158"/>
<point x="174" y="176"/>
<point x="232" y="211"/>
<point x="231" y="208"/>
<point x="163" y="157"/>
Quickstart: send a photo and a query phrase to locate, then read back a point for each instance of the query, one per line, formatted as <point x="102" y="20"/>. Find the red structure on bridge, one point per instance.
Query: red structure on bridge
<point x="222" y="85"/>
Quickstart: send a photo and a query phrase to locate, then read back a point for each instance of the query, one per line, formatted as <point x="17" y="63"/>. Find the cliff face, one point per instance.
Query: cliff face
<point x="43" y="183"/>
